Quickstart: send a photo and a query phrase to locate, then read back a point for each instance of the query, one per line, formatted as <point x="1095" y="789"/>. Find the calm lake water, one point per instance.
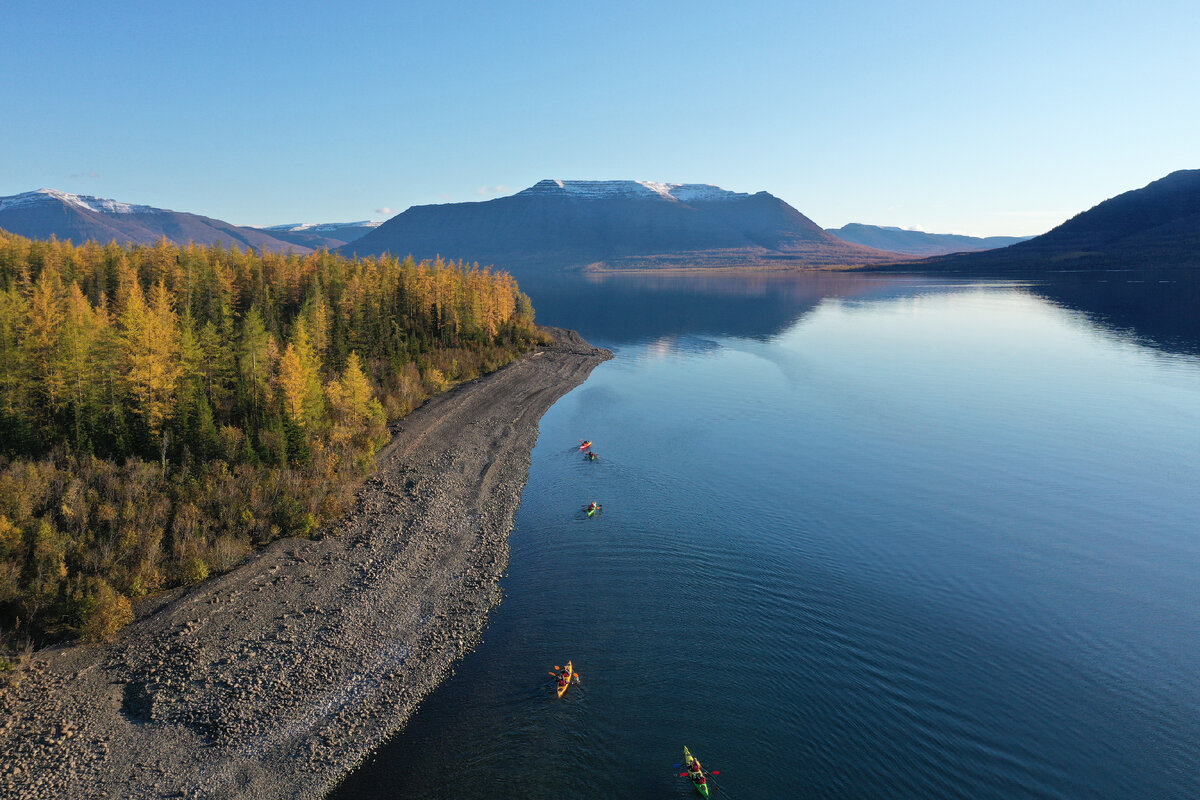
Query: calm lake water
<point x="861" y="538"/>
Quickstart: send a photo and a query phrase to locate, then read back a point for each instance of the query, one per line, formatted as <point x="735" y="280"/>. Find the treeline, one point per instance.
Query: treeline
<point x="165" y="409"/>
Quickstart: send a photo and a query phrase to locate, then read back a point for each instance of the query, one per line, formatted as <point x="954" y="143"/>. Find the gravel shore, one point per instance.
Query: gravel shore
<point x="275" y="679"/>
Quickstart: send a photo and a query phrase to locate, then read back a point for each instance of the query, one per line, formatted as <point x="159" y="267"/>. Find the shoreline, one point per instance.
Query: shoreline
<point x="279" y="677"/>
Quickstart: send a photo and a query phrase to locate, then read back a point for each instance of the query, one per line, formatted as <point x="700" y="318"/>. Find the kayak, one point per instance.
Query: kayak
<point x="585" y="445"/>
<point x="688" y="758"/>
<point x="592" y="511"/>
<point x="570" y="674"/>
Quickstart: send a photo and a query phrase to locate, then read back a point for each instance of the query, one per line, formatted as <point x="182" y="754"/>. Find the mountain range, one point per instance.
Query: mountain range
<point x="49" y="212"/>
<point x="918" y="243"/>
<point x="559" y="225"/>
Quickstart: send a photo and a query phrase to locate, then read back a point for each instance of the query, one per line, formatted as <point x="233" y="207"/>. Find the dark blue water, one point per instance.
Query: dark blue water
<point x="861" y="538"/>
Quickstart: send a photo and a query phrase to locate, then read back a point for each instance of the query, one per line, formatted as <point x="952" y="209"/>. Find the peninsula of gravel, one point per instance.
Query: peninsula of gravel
<point x="275" y="679"/>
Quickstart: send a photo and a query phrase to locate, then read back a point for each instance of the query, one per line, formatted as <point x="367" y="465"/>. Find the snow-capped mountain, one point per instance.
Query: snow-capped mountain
<point x="49" y="212"/>
<point x="616" y="190"/>
<point x="87" y="202"/>
<point x="322" y="234"/>
<point x="323" y="227"/>
<point x="573" y="224"/>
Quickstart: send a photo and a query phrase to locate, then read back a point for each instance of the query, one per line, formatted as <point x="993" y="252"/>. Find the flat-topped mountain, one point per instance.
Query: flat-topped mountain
<point x="1155" y="227"/>
<point x="49" y="212"/>
<point x="560" y="225"/>
<point x="324" y="234"/>
<point x="919" y="243"/>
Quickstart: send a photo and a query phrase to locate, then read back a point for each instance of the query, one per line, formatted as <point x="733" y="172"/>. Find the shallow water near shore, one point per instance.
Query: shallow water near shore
<point x="861" y="537"/>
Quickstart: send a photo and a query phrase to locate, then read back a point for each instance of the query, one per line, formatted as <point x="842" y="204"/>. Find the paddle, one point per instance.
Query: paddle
<point x="709" y="771"/>
<point x="574" y="679"/>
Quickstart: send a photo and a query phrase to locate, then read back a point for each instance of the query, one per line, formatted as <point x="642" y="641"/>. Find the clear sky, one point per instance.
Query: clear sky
<point x="968" y="117"/>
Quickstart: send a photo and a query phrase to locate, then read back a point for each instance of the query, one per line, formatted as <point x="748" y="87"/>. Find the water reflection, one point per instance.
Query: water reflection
<point x="1159" y="308"/>
<point x="679" y="311"/>
<point x="627" y="308"/>
<point x="952" y="520"/>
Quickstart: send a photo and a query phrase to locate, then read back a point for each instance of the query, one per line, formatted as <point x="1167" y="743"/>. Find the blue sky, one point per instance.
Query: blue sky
<point x="980" y="118"/>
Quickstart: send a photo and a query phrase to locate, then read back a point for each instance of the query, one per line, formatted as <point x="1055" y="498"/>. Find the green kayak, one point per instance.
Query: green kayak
<point x="695" y="773"/>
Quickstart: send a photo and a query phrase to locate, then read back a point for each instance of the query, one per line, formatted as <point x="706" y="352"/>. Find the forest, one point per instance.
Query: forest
<point x="165" y="409"/>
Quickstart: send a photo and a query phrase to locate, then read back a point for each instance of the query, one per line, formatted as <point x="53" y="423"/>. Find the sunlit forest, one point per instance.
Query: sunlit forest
<point x="166" y="409"/>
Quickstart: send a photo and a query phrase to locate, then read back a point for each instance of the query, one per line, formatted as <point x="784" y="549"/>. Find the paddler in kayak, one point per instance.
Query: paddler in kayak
<point x="592" y="508"/>
<point x="591" y="456"/>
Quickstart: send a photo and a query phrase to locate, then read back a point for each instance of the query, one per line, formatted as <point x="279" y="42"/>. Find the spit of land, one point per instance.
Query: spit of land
<point x="277" y="678"/>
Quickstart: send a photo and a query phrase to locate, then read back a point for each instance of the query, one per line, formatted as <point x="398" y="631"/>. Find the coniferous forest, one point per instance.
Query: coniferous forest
<point x="166" y="409"/>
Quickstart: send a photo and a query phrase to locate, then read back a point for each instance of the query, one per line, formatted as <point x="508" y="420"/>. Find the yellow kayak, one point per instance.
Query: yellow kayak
<point x="562" y="688"/>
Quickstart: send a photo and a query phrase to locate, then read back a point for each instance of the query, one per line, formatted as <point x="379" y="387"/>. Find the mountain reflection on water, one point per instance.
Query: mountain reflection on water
<point x="1158" y="309"/>
<point x="628" y="307"/>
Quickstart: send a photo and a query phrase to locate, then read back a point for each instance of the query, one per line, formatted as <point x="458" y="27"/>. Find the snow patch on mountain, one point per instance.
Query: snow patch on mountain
<point x="699" y="192"/>
<point x="610" y="190"/>
<point x="323" y="227"/>
<point x="102" y="205"/>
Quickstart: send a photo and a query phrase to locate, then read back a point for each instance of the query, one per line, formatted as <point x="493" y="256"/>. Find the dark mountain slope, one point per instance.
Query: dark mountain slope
<point x="1155" y="227"/>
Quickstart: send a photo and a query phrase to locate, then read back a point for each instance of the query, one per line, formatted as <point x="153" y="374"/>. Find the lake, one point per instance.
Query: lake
<point x="861" y="537"/>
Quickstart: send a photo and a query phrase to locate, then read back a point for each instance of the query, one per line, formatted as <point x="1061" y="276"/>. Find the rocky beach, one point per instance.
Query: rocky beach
<point x="275" y="679"/>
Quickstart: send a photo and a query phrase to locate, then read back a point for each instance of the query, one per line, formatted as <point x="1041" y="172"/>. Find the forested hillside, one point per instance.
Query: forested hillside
<point x="165" y="409"/>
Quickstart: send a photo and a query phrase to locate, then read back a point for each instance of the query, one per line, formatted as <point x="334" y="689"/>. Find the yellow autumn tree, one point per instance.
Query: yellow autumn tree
<point x="84" y="327"/>
<point x="43" y="339"/>
<point x="300" y="380"/>
<point x="359" y="422"/>
<point x="150" y="340"/>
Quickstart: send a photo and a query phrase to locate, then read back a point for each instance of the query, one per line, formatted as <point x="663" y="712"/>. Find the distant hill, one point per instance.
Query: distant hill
<point x="557" y="226"/>
<point x="918" y="243"/>
<point x="48" y="212"/>
<point x="1155" y="227"/>
<point x="326" y="234"/>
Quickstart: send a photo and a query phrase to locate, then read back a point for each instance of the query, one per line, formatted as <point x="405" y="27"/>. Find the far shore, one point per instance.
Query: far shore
<point x="276" y="679"/>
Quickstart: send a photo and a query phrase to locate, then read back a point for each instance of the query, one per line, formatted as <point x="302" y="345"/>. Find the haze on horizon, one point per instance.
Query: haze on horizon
<point x="949" y="118"/>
